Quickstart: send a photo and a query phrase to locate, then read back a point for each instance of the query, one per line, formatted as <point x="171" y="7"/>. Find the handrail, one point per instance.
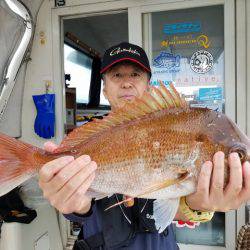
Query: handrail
<point x="17" y="59"/>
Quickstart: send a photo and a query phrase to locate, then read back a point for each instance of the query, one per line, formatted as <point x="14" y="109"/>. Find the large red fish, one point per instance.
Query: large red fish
<point x="152" y="147"/>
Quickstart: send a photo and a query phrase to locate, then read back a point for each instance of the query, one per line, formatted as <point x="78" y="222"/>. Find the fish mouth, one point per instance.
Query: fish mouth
<point x="242" y="151"/>
<point x="248" y="152"/>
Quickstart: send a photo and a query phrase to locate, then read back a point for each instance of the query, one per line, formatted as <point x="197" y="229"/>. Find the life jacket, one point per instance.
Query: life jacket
<point x="119" y="224"/>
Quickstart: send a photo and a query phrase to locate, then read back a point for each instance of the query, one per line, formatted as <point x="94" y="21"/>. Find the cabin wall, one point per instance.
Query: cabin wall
<point x="247" y="9"/>
<point x="40" y="234"/>
<point x="43" y="232"/>
<point x="39" y="70"/>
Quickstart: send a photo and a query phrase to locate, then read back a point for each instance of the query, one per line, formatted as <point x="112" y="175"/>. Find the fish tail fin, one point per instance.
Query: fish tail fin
<point x="17" y="162"/>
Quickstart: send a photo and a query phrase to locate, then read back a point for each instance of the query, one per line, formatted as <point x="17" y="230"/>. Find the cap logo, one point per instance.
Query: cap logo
<point x="118" y="50"/>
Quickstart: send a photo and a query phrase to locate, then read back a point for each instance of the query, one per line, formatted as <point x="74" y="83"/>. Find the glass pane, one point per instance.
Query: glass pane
<point x="103" y="100"/>
<point x="210" y="233"/>
<point x="78" y="65"/>
<point x="95" y="33"/>
<point x="187" y="47"/>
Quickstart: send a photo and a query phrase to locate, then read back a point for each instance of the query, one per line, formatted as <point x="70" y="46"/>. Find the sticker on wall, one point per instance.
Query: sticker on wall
<point x="210" y="94"/>
<point x="198" y="80"/>
<point x="167" y="61"/>
<point x="59" y="3"/>
<point x="42" y="37"/>
<point x="157" y="83"/>
<point x="201" y="40"/>
<point x="182" y="27"/>
<point x="201" y="61"/>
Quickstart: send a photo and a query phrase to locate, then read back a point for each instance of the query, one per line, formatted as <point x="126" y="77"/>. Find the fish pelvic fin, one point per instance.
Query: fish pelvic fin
<point x="119" y="203"/>
<point x="164" y="212"/>
<point x="154" y="99"/>
<point x="153" y="188"/>
<point x="17" y="163"/>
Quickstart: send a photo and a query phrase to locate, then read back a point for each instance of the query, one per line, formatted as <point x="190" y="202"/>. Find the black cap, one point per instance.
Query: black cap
<point x="125" y="52"/>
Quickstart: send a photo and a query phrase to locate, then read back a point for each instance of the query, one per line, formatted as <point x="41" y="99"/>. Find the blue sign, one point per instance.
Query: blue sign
<point x="157" y="83"/>
<point x="209" y="94"/>
<point x="167" y="61"/>
<point x="185" y="27"/>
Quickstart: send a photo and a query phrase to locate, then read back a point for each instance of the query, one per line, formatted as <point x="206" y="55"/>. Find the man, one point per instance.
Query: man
<point x="64" y="181"/>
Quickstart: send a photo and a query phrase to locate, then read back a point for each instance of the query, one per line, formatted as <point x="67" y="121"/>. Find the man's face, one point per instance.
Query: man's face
<point x="123" y="82"/>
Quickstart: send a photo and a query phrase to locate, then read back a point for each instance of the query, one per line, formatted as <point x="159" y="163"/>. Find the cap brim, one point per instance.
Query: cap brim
<point x="125" y="59"/>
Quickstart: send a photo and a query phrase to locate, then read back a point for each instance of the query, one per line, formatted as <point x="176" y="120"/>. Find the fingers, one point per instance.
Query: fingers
<point x="200" y="199"/>
<point x="218" y="198"/>
<point x="48" y="171"/>
<point x="83" y="178"/>
<point x="217" y="183"/>
<point x="204" y="179"/>
<point x="245" y="192"/>
<point x="76" y="204"/>
<point x="235" y="180"/>
<point x="65" y="180"/>
<point x="50" y="146"/>
<point x="76" y="201"/>
<point x="246" y="175"/>
<point x="67" y="172"/>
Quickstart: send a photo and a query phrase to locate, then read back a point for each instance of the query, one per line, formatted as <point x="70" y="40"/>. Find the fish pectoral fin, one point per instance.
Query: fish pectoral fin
<point x="97" y="195"/>
<point x="154" y="188"/>
<point x="164" y="212"/>
<point x="164" y="184"/>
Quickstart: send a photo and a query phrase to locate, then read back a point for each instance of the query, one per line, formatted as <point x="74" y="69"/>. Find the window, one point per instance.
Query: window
<point x="78" y="65"/>
<point x="186" y="47"/>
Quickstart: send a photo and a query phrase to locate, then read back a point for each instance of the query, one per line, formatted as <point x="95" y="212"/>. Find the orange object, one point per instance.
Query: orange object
<point x="150" y="148"/>
<point x="130" y="201"/>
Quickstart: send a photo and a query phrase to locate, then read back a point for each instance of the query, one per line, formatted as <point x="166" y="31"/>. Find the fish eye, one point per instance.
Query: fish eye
<point x="73" y="151"/>
<point x="241" y="150"/>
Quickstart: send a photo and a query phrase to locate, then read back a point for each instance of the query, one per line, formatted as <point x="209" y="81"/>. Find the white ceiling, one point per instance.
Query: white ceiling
<point x="101" y="31"/>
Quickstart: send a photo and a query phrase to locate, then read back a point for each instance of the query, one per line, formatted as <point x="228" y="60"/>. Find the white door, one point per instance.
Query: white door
<point x="192" y="44"/>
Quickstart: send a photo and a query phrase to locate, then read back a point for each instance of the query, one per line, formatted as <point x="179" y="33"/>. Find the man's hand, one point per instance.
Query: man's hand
<point x="64" y="182"/>
<point x="211" y="195"/>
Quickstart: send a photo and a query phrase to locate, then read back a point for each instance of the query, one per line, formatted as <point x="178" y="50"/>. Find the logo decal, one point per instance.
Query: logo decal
<point x="167" y="60"/>
<point x="119" y="50"/>
<point x="157" y="83"/>
<point x="201" y="40"/>
<point x="201" y="61"/>
<point x="210" y="94"/>
<point x="184" y="27"/>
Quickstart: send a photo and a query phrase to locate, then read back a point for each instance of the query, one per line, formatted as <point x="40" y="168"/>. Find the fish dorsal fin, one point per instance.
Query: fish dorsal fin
<point x="155" y="99"/>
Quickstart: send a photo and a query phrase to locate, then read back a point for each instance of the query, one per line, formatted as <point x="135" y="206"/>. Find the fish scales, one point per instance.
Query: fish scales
<point x="139" y="149"/>
<point x="140" y="146"/>
<point x="151" y="148"/>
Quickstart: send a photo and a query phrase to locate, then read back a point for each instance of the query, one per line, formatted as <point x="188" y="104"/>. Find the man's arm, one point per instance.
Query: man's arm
<point x="211" y="195"/>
